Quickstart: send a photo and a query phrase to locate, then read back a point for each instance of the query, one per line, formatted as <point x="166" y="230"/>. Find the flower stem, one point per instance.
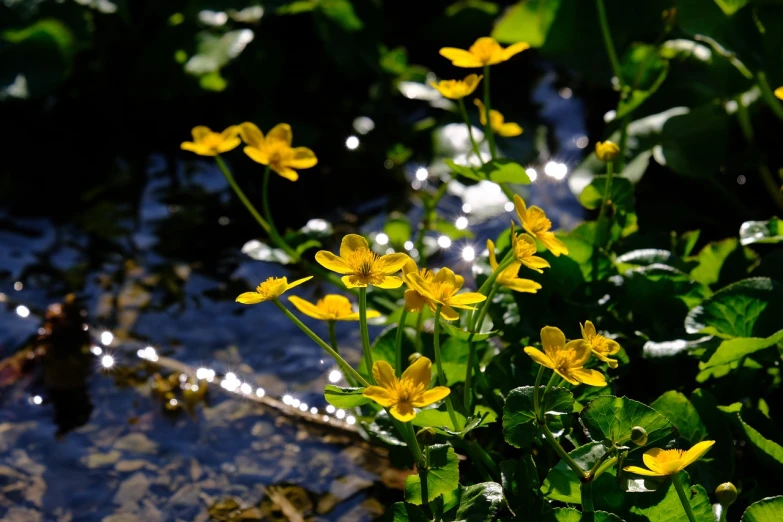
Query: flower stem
<point x="464" y="112"/>
<point x="366" y="350"/>
<point x="482" y="312"/>
<point x="398" y="342"/>
<point x="487" y="110"/>
<point x="686" y="504"/>
<point x="608" y="43"/>
<point x="342" y="363"/>
<point x="591" y="475"/>
<point x="487" y="286"/>
<point x="768" y="95"/>
<point x="415" y="448"/>
<point x="546" y="390"/>
<point x="536" y="400"/>
<point x="587" y="497"/>
<point x="333" y="336"/>
<point x="441" y="374"/>
<point x="241" y="195"/>
<point x="560" y="451"/>
<point x="607" y="191"/>
<point x="419" y="325"/>
<point x="273" y="233"/>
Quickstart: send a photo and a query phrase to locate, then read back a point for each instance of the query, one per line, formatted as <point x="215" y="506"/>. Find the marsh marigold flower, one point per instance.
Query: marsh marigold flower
<point x="485" y="51"/>
<point x="363" y="267"/>
<point x="414" y="301"/>
<point x="535" y="222"/>
<point x="497" y="121"/>
<point x="270" y="290"/>
<point x="442" y="290"/>
<point x="209" y="143"/>
<point x="601" y="346"/>
<point x="566" y="359"/>
<point x="607" y="150"/>
<point x="779" y="93"/>
<point x="457" y="89"/>
<point x="525" y="251"/>
<point x="509" y="277"/>
<point x="408" y="392"/>
<point x="275" y="150"/>
<point x="664" y="463"/>
<point x="332" y="307"/>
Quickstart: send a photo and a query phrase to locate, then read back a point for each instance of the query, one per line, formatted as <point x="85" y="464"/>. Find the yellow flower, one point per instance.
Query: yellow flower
<point x="414" y="301"/>
<point x="269" y="290"/>
<point x="534" y="220"/>
<point x="442" y="289"/>
<point x="362" y="266"/>
<point x="499" y="125"/>
<point x="275" y="150"/>
<point x="525" y="251"/>
<point x="485" y="51"/>
<point x="779" y="93"/>
<point x="509" y="276"/>
<point x="566" y="359"/>
<point x="332" y="307"/>
<point x="208" y="143"/>
<point x="601" y="346"/>
<point x="664" y="463"/>
<point x="408" y="392"/>
<point x="456" y="89"/>
<point x="607" y="150"/>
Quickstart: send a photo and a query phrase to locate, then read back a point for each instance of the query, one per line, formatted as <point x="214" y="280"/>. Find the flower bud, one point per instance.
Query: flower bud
<point x="638" y="435"/>
<point x="726" y="494"/>
<point x="607" y="150"/>
<point x="426" y="436"/>
<point x="414" y="357"/>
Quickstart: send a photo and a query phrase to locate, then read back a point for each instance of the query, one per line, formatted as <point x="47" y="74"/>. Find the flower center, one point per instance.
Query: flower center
<point x="335" y="307"/>
<point x="267" y="287"/>
<point x="362" y="262"/>
<point x="442" y="291"/>
<point x="599" y="343"/>
<point x="563" y="359"/>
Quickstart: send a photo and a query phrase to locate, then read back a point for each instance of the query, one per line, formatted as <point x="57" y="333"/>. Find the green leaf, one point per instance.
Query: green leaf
<point x="574" y="515"/>
<point x="528" y="21"/>
<point x="402" y="512"/>
<point x="307" y="245"/>
<point x="612" y="418"/>
<point x="434" y="418"/>
<point x="505" y="171"/>
<point x="345" y="398"/>
<point x="442" y="477"/>
<point x="644" y="70"/>
<point x="463" y="335"/>
<point x="562" y="483"/>
<point x="722" y="261"/>
<point x="479" y="502"/>
<point x="761" y="231"/>
<point x="732" y="350"/>
<point x="519" y="420"/>
<point x="729" y="7"/>
<point x="464" y="171"/>
<point x="621" y="194"/>
<point x="768" y="509"/>
<point x="679" y="411"/>
<point x="768" y="451"/>
<point x="695" y="144"/>
<point x="748" y="308"/>
<point x="669" y="508"/>
<point x="341" y="12"/>
<point x="398" y="229"/>
<point x="639" y="96"/>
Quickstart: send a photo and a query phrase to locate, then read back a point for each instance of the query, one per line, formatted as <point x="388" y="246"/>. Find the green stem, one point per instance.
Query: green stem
<point x="607" y="191"/>
<point x="398" y="342"/>
<point x="768" y="95"/>
<point x="485" y="288"/>
<point x="608" y="43"/>
<point x="561" y="452"/>
<point x="773" y="187"/>
<point x="365" y="333"/>
<point x="686" y="504"/>
<point x="482" y="312"/>
<point x="587" y="497"/>
<point x="333" y="336"/>
<point x="415" y="448"/>
<point x="606" y="465"/>
<point x="536" y="401"/>
<point x="241" y="195"/>
<point x="273" y="233"/>
<point x="342" y="363"/>
<point x="464" y="112"/>
<point x="417" y="337"/>
<point x="546" y="390"/>
<point x="441" y="373"/>
<point x="487" y="110"/>
<point x="591" y="475"/>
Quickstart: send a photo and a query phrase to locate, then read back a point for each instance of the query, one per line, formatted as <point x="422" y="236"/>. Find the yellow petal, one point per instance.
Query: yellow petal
<point x="200" y="132"/>
<point x="251" y="134"/>
<point x="298" y="282"/>
<point x="588" y="331"/>
<point x="308" y="308"/>
<point x="403" y="412"/>
<point x="389" y="282"/>
<point x="536" y="263"/>
<point x="416" y="282"/>
<point x="515" y="49"/>
<point x="449" y="314"/>
<point x="431" y="396"/>
<point x="519" y="205"/>
<point x="230" y="132"/>
<point x="352" y="243"/>
<point x="409" y="266"/>
<point x="460" y="57"/>
<point x="613" y="346"/>
<point x="553" y="244"/>
<point x="466" y="299"/>
<point x="509" y="130"/>
<point x="695" y="453"/>
<point x="286" y="172"/>
<point x="257" y="155"/>
<point x="384" y="375"/>
<point x="642" y="471"/>
<point x="589" y="377"/>
<point x="567" y="376"/>
<point x="379" y="395"/>
<point x="493" y="262"/>
<point x="539" y="357"/>
<point x="552" y="336"/>
<point x="302" y="158"/>
<point x="229" y="144"/>
<point x="471" y="82"/>
<point x="582" y="351"/>
<point x="334" y="263"/>
<point x="481" y="110"/>
<point x="418" y="373"/>
<point x="391" y="263"/>
<point x="611" y="362"/>
<point x="650" y="459"/>
<point x="280" y="133"/>
<point x="522" y="285"/>
<point x="779" y="93"/>
<point x="250" y="298"/>
<point x="446" y="275"/>
<point x="414" y="302"/>
<point x="198" y="149"/>
<point x="351" y="281"/>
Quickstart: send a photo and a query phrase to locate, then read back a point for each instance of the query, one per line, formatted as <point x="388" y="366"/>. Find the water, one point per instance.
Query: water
<point x="80" y="442"/>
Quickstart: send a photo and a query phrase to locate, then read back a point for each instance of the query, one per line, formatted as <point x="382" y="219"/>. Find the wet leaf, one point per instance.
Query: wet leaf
<point x="761" y="231"/>
<point x="519" y="420"/>
<point x="479" y="502"/>
<point x="612" y="418"/>
<point x="343" y="397"/>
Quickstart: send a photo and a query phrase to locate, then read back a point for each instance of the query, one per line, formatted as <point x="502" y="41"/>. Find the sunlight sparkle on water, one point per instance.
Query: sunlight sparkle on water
<point x="37" y="400"/>
<point x="466" y="208"/>
<point x="335" y="376"/>
<point x="107" y="361"/>
<point x="330" y="408"/>
<point x="532" y="174"/>
<point x="468" y="253"/>
<point x="422" y="173"/>
<point x="444" y="242"/>
<point x="461" y="223"/>
<point x="106" y="338"/>
<point x="260" y="392"/>
<point x="340" y="414"/>
<point x="97" y="350"/>
<point x="382" y="239"/>
<point x="509" y="206"/>
<point x="556" y="170"/>
<point x="352" y="143"/>
<point x="408" y="245"/>
<point x="22" y="311"/>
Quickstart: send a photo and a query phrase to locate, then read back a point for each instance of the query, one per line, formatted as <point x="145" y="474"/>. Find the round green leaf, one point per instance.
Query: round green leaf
<point x="768" y="509"/>
<point x="480" y="502"/>
<point x="621" y="194"/>
<point x="519" y="420"/>
<point x="442" y="477"/>
<point x="344" y="397"/>
<point x="612" y="418"/>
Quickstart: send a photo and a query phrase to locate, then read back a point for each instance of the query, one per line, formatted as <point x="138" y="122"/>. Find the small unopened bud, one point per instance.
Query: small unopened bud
<point x="414" y="357"/>
<point x="426" y="436"/>
<point x="607" y="150"/>
<point x="638" y="435"/>
<point x="726" y="494"/>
